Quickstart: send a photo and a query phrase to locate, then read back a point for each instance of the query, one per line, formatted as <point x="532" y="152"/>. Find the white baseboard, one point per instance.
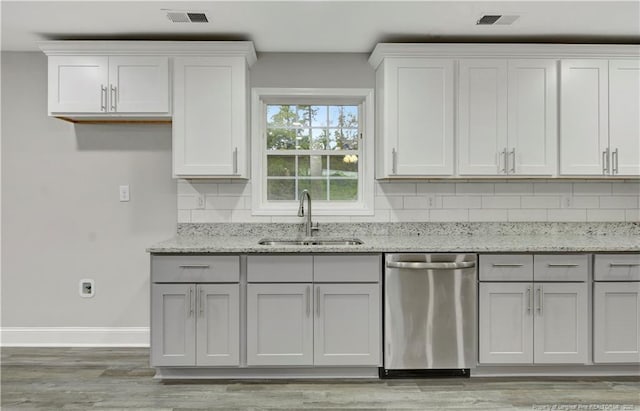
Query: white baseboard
<point x="74" y="336"/>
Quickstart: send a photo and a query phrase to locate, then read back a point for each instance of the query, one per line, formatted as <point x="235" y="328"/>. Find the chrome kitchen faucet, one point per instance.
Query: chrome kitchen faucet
<point x="309" y="226"/>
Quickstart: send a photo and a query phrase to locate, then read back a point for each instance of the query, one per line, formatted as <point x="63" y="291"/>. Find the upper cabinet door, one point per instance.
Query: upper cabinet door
<point x="624" y="116"/>
<point x="138" y="84"/>
<point x="78" y="84"/>
<point x="482" y="121"/>
<point x="418" y="123"/>
<point x="210" y="117"/>
<point x="532" y="117"/>
<point x="584" y="137"/>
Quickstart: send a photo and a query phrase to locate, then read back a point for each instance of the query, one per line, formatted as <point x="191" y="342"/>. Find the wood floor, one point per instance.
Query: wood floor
<point x="120" y="379"/>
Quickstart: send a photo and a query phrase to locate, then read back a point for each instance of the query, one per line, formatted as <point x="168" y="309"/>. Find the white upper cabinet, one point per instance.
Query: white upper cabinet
<point x="507" y="117"/>
<point x="624" y="116"/>
<point x="109" y="85"/>
<point x="210" y="117"/>
<point x="415" y="114"/>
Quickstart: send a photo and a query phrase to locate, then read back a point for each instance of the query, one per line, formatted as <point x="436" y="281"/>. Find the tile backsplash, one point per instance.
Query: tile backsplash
<point x="227" y="201"/>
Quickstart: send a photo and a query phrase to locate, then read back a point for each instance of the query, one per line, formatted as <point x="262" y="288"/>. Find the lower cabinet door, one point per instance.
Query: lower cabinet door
<point x="173" y="325"/>
<point x="347" y="324"/>
<point x="616" y="322"/>
<point x="506" y="323"/>
<point x="561" y="322"/>
<point x="218" y="325"/>
<point x="279" y="324"/>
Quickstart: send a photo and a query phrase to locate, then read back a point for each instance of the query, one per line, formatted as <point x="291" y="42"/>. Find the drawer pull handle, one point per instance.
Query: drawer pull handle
<point x="563" y="265"/>
<point x="508" y="265"/>
<point x="624" y="265"/>
<point x="195" y="266"/>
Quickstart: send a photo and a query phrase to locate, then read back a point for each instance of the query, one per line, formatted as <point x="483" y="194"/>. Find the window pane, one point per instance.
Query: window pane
<point x="344" y="166"/>
<point x="343" y="116"/>
<point x="281" y="139"/>
<point x="343" y="190"/>
<point x="340" y="139"/>
<point x="278" y="190"/>
<point x="351" y="137"/>
<point x="318" y="116"/>
<point x="281" y="166"/>
<point x="282" y="116"/>
<point x="317" y="188"/>
<point x="320" y="139"/>
<point x="303" y="139"/>
<point x="312" y="166"/>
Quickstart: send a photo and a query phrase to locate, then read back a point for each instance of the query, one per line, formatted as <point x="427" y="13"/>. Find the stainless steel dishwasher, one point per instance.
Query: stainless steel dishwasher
<point x="430" y="315"/>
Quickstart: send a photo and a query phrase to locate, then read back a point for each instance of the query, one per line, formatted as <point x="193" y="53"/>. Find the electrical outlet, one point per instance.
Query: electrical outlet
<point x="201" y="201"/>
<point x="87" y="288"/>
<point x="566" y="202"/>
<point x="431" y="201"/>
<point x="124" y="193"/>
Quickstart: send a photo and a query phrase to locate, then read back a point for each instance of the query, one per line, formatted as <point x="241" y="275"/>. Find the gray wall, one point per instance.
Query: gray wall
<point x="61" y="218"/>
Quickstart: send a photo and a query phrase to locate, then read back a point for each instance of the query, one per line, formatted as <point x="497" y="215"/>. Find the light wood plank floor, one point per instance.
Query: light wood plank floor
<point x="120" y="379"/>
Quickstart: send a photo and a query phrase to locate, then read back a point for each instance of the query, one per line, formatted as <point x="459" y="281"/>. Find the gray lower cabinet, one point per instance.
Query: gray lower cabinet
<point x="530" y="322"/>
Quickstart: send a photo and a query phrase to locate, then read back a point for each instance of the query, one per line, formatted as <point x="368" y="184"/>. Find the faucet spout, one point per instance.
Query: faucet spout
<point x="308" y="225"/>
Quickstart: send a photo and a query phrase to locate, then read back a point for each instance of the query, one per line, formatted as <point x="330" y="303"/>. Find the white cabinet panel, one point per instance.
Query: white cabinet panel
<point x="279" y="324"/>
<point x="482" y="117"/>
<point x="532" y="117"/>
<point x="617" y="267"/>
<point x="584" y="137"/>
<point x="506" y="323"/>
<point x="616" y="322"/>
<point x="210" y="117"/>
<point x="173" y="325"/>
<point x="419" y="116"/>
<point x="624" y="116"/>
<point x="139" y="84"/>
<point x="560" y="325"/>
<point x="78" y="84"/>
<point x="218" y="325"/>
<point x="347" y="324"/>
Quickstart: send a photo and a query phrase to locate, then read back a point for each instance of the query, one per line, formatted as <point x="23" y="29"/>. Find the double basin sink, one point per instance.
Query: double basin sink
<point x="310" y="241"/>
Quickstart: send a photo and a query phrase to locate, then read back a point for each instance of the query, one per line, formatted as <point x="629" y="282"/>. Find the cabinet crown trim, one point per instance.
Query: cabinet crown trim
<point x="502" y="50"/>
<point x="155" y="48"/>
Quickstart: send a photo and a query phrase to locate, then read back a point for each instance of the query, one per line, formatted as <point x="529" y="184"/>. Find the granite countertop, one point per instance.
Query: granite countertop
<point x="543" y="241"/>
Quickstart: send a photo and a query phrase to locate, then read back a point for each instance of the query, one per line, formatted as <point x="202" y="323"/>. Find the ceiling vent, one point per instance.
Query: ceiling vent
<point x="187" y="17"/>
<point x="496" y="19"/>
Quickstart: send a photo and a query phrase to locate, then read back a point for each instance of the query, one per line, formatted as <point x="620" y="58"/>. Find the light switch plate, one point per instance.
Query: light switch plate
<point x="124" y="193"/>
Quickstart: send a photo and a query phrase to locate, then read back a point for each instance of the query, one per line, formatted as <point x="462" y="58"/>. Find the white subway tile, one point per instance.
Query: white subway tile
<point x="513" y="188"/>
<point x="500" y="202"/>
<point x="449" y="215"/>
<point x="474" y="188"/>
<point x="332" y="219"/>
<point x="619" y="202"/>
<point x="632" y="215"/>
<point x="581" y="189"/>
<point x="388" y="202"/>
<point x="436" y="188"/>
<point x="244" y="216"/>
<point x="287" y="219"/>
<point x="397" y="189"/>
<point x="626" y="188"/>
<point x="566" y="214"/>
<point x="234" y="189"/>
<point x="380" y="216"/>
<point x="605" y="215"/>
<point x="225" y="203"/>
<point x="195" y="187"/>
<point x="210" y="216"/>
<point x="540" y="202"/>
<point x="184" y="216"/>
<point x="584" y="202"/>
<point x="409" y="215"/>
<point x="417" y="203"/>
<point x="461" y="202"/>
<point x="552" y="188"/>
<point x="187" y="202"/>
<point x="487" y="215"/>
<point x="527" y="215"/>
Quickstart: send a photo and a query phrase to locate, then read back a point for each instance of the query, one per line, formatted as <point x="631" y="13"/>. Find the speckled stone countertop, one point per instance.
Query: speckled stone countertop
<point x="409" y="237"/>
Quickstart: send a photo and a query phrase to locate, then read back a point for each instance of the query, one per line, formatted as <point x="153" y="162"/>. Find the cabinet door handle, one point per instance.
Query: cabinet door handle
<point x="190" y="301"/>
<point x="201" y="298"/>
<point x="103" y="98"/>
<point x="540" y="298"/>
<point x="318" y="301"/>
<point x="507" y="265"/>
<point x="502" y="161"/>
<point x="235" y="160"/>
<point x="112" y="97"/>
<point x="394" y="161"/>
<point x="308" y="297"/>
<point x="513" y="161"/>
<point x="605" y="162"/>
<point x="614" y="157"/>
<point x="194" y="266"/>
<point x="528" y="300"/>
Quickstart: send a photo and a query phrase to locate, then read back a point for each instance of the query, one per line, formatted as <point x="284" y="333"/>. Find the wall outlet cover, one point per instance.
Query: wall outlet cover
<point x="87" y="288"/>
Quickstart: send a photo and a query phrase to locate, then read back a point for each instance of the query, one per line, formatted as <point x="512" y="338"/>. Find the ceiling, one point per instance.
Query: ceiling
<point x="321" y="26"/>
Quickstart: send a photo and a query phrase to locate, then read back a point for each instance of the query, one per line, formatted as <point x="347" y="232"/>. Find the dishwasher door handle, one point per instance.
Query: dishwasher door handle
<point x="430" y="266"/>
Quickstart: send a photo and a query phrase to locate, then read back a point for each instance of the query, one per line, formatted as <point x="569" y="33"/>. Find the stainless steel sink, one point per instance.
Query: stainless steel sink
<point x="310" y="241"/>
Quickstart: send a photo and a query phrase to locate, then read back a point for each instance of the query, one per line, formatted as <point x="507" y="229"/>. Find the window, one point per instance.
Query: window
<point x="318" y="140"/>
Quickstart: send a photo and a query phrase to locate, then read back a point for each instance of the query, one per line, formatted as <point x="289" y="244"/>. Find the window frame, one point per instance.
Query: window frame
<point x="260" y="98"/>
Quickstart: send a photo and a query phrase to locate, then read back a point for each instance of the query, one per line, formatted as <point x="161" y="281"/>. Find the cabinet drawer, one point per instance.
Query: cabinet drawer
<point x="617" y="267"/>
<point x="279" y="269"/>
<point x="347" y="268"/>
<point x="506" y="267"/>
<point x="566" y="267"/>
<point x="195" y="269"/>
